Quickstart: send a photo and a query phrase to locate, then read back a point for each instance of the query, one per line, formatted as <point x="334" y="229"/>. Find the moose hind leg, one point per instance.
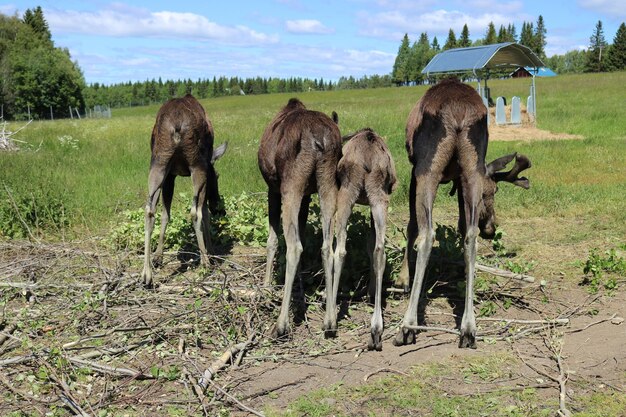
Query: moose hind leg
<point x="379" y="217"/>
<point x="273" y="203"/>
<point x="199" y="212"/>
<point x="425" y="194"/>
<point x="346" y="198"/>
<point x="167" y="194"/>
<point x="471" y="196"/>
<point x="155" y="180"/>
<point x="403" y="279"/>
<point x="290" y="210"/>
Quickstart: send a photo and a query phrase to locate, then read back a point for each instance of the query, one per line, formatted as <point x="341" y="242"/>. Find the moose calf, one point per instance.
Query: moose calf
<point x="446" y="140"/>
<point x="181" y="144"/>
<point x="298" y="156"/>
<point x="366" y="175"/>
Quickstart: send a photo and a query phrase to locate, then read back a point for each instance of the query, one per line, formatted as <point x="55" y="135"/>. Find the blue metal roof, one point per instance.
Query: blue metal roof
<point x="480" y="58"/>
<point x="541" y="71"/>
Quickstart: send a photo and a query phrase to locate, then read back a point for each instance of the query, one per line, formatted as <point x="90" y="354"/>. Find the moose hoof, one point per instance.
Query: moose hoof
<point x="330" y="330"/>
<point x="404" y="337"/>
<point x="375" y="342"/>
<point x="146" y="277"/>
<point x="280" y="332"/>
<point x="157" y="259"/>
<point x="467" y="341"/>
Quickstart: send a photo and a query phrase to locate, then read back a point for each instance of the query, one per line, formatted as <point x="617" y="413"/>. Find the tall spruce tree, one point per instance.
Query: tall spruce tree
<point x="616" y="55"/>
<point x="400" y="74"/>
<point x="451" y="41"/>
<point x="435" y="45"/>
<point x="527" y="35"/>
<point x="490" y="35"/>
<point x="511" y="33"/>
<point x="539" y="39"/>
<point x="464" y="40"/>
<point x="35" y="19"/>
<point x="502" y="34"/>
<point x="596" y="55"/>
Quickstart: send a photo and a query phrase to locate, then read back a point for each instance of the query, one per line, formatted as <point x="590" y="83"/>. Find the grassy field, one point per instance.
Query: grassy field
<point x="105" y="170"/>
<point x="75" y="180"/>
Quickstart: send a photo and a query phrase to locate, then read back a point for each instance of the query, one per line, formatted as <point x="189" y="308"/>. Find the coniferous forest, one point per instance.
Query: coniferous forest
<point x="39" y="79"/>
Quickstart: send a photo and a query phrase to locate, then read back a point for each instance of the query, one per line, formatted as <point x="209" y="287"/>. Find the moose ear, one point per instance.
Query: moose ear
<point x="335" y="117"/>
<point x="218" y="152"/>
<point x="499" y="164"/>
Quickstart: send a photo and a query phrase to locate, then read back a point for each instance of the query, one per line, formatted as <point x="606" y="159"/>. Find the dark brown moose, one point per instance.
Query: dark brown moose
<point x="366" y="175"/>
<point x="181" y="144"/>
<point x="446" y="140"/>
<point x="298" y="156"/>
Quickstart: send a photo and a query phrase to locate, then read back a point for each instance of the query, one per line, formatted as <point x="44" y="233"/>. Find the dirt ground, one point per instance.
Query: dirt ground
<point x="79" y="333"/>
<point x="525" y="132"/>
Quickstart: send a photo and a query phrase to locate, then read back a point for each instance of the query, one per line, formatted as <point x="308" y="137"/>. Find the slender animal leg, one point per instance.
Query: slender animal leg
<point x="198" y="212"/>
<point x="327" y="190"/>
<point x="472" y="190"/>
<point x="290" y="210"/>
<point x="167" y="194"/>
<point x="155" y="179"/>
<point x="303" y="215"/>
<point x="379" y="215"/>
<point x="425" y="194"/>
<point x="273" y="202"/>
<point x="403" y="278"/>
<point x="462" y="220"/>
<point x="346" y="197"/>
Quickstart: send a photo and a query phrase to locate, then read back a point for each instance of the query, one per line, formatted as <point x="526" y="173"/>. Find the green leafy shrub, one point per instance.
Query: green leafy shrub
<point x="596" y="266"/>
<point x="36" y="210"/>
<point x="129" y="233"/>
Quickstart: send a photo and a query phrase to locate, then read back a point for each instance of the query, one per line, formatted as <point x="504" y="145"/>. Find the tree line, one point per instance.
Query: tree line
<point x="38" y="79"/>
<point x="158" y="91"/>
<point x="599" y="57"/>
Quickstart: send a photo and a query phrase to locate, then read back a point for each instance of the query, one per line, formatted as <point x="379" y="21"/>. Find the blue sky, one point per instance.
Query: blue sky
<point x="119" y="41"/>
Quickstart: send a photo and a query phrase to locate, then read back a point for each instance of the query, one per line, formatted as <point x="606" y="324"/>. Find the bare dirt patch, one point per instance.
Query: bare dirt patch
<point x="78" y="332"/>
<point x="525" y="132"/>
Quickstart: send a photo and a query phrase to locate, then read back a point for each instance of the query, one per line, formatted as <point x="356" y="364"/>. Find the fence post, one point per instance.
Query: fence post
<point x="71" y="113"/>
<point x="51" y="115"/>
<point x="28" y="111"/>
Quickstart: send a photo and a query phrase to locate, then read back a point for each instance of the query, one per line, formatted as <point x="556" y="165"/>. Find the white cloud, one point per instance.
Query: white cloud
<point x="132" y="22"/>
<point x="308" y="26"/>
<point x="393" y="24"/>
<point x="613" y="8"/>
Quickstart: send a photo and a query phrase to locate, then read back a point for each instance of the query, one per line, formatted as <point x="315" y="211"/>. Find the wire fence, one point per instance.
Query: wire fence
<point x="99" y="111"/>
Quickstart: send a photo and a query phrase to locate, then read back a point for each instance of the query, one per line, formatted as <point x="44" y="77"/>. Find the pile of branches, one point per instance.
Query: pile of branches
<point x="78" y="331"/>
<point x="7" y="141"/>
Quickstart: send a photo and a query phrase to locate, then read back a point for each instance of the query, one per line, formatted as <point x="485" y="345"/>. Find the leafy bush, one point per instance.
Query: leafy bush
<point x="597" y="266"/>
<point x="36" y="211"/>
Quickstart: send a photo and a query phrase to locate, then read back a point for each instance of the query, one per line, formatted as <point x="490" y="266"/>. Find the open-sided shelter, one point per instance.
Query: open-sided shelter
<point x="482" y="61"/>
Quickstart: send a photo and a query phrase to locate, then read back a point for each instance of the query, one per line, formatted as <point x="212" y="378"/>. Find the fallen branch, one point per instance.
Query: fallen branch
<point x="222" y="361"/>
<point x="276" y="388"/>
<point x="561" y="321"/>
<point x="591" y="324"/>
<point x="111" y="370"/>
<point x="236" y="401"/>
<point x="433" y="329"/>
<point x="504" y="273"/>
<point x="7" y="332"/>
<point x="368" y="376"/>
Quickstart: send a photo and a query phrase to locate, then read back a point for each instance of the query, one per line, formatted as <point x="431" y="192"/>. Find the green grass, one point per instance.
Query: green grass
<point x="107" y="173"/>
<point x="449" y="388"/>
<point x="77" y="178"/>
